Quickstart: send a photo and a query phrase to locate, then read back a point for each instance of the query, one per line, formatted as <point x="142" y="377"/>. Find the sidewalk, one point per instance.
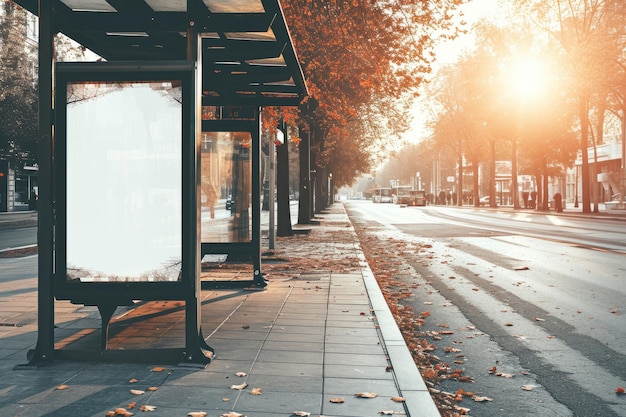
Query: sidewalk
<point x="321" y="330"/>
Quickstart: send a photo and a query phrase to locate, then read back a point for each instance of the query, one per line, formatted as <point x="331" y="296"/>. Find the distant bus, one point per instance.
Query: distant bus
<point x="418" y="198"/>
<point x="381" y="195"/>
<point x="401" y="194"/>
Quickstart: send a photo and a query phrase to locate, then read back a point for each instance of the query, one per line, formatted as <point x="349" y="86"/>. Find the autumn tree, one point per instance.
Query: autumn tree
<point x="363" y="62"/>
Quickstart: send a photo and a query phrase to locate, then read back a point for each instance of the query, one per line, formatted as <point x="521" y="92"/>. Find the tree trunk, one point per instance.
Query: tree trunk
<point x="514" y="184"/>
<point x="459" y="191"/>
<point x="476" y="184"/>
<point x="492" y="175"/>
<point x="583" y="114"/>
<point x="304" y="195"/>
<point x="282" y="190"/>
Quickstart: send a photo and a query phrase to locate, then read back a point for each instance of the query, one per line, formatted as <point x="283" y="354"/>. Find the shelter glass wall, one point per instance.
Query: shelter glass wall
<point x="226" y="181"/>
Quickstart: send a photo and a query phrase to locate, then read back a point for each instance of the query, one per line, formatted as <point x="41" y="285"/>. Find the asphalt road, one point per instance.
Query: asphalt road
<point x="541" y="297"/>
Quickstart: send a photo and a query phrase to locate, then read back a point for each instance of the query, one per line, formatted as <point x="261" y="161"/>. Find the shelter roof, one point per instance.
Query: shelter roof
<point x="248" y="54"/>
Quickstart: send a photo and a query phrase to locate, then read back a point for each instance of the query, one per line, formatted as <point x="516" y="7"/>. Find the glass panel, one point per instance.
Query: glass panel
<point x="124" y="181"/>
<point x="235" y="6"/>
<point x="168" y="5"/>
<point x="252" y="36"/>
<point x="89" y="5"/>
<point x="226" y="186"/>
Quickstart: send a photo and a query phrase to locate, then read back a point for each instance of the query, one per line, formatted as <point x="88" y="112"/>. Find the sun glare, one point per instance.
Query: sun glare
<point x="528" y="79"/>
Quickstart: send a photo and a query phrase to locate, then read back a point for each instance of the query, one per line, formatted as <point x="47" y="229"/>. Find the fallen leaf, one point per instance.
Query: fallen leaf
<point x="301" y="414"/>
<point x="255" y="391"/>
<point x="528" y="387"/>
<point x="137" y="392"/>
<point x="157" y="369"/>
<point x="539" y="319"/>
<point x="62" y="387"/>
<point x="232" y="414"/>
<point x="508" y="324"/>
<point x="147" y="407"/>
<point x="337" y="400"/>
<point x="366" y="395"/>
<point x="398" y="399"/>
<point x="522" y="268"/>
<point x="122" y="412"/>
<point x="153" y="388"/>
<point x="241" y="374"/>
<point x="503" y="375"/>
<point x="493" y="370"/>
<point x="132" y="405"/>
<point x="390" y="413"/>
<point x="196" y="414"/>
<point x="619" y="390"/>
<point x="133" y="380"/>
<point x="481" y="399"/>
<point x="239" y="387"/>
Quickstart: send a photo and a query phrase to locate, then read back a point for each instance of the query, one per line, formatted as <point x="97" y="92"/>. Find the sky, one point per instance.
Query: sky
<point x="448" y="53"/>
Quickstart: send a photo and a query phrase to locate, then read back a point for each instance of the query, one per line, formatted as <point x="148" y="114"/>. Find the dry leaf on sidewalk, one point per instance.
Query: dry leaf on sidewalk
<point x="337" y="400"/>
<point x="196" y="414"/>
<point x="239" y="387"/>
<point x="255" y="391"/>
<point x="137" y="392"/>
<point x="366" y="395"/>
<point x="301" y="414"/>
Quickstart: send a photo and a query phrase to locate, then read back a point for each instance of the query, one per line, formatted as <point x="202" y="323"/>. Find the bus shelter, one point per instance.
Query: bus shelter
<point x="138" y="147"/>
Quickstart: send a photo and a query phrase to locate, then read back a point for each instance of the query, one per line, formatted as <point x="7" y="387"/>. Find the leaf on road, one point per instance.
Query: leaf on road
<point x="119" y="412"/>
<point x="619" y="390"/>
<point x="521" y="268"/>
<point x="157" y="369"/>
<point x="147" y="407"/>
<point x="153" y="388"/>
<point x="528" y="387"/>
<point x="232" y="414"/>
<point x="241" y="374"/>
<point x="391" y="413"/>
<point x="366" y="395"/>
<point x="255" y="391"/>
<point x="337" y="400"/>
<point x="481" y="399"/>
<point x="301" y="414"/>
<point x="196" y="414"/>
<point x="239" y="387"/>
<point x="133" y="380"/>
<point x="503" y="375"/>
<point x="137" y="392"/>
<point x="62" y="387"/>
<point x="398" y="399"/>
<point x="539" y="319"/>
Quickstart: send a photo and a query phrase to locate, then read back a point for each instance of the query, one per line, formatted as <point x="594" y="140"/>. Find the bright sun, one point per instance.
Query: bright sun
<point x="528" y="78"/>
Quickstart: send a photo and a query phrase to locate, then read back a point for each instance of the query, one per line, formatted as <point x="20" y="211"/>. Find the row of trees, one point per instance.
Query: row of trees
<point x="364" y="62"/>
<point x="539" y="84"/>
<point x="18" y="88"/>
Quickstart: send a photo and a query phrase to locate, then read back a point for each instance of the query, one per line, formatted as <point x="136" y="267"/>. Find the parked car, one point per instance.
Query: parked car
<point x="484" y="201"/>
